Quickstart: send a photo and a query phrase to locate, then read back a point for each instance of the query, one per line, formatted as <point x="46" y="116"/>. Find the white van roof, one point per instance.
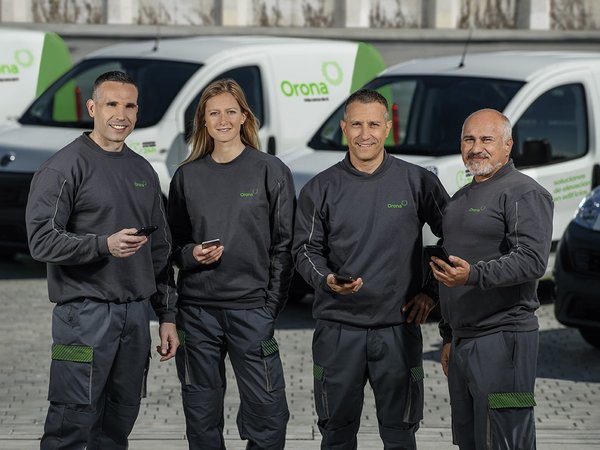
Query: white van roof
<point x="201" y="48"/>
<point x="522" y="66"/>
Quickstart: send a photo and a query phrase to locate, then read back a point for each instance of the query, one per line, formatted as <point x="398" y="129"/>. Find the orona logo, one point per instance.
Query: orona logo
<point x="22" y="57"/>
<point x="140" y="184"/>
<point x="332" y="74"/>
<point x="477" y="210"/>
<point x="402" y="204"/>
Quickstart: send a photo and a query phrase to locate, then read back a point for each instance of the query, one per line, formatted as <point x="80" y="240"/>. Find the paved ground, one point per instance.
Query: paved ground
<point x="568" y="386"/>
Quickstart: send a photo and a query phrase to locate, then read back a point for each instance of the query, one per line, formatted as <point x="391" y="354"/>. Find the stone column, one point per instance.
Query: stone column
<point x="234" y="12"/>
<point x="351" y="13"/>
<point x="533" y="14"/>
<point x="16" y="11"/>
<point x="440" y="13"/>
<point x="121" y="11"/>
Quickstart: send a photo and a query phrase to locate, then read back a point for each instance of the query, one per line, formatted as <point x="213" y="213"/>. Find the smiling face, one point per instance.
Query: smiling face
<point x="224" y="119"/>
<point x="366" y="128"/>
<point x="485" y="144"/>
<point x="114" y="110"/>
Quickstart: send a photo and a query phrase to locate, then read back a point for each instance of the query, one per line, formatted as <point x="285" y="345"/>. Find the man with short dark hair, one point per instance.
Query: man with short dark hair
<point x="501" y="226"/>
<point x="103" y="280"/>
<point x="363" y="218"/>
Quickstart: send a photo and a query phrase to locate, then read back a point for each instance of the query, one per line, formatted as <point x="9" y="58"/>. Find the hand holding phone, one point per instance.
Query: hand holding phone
<point x="210" y="243"/>
<point x="439" y="252"/>
<point x="343" y="279"/>
<point x="146" y="231"/>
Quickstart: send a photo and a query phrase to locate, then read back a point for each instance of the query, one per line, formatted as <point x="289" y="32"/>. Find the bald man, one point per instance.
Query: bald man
<point x="498" y="231"/>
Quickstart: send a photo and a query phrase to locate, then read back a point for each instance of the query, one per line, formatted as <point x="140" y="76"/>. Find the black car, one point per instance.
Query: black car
<point x="577" y="271"/>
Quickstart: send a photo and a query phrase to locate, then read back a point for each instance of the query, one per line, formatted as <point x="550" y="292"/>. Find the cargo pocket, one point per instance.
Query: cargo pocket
<point x="321" y="403"/>
<point x="181" y="359"/>
<point x="71" y="374"/>
<point x="505" y="411"/>
<point x="272" y="365"/>
<point x="413" y="412"/>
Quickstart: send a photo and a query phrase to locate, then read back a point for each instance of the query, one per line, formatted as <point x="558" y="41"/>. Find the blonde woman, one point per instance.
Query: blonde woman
<point x="240" y="203"/>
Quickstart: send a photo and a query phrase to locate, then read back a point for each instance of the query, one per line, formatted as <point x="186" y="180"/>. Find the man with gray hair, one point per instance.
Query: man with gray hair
<point x="501" y="226"/>
<point x="358" y="242"/>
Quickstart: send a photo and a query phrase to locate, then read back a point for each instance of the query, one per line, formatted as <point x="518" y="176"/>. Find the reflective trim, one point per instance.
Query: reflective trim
<point x="74" y="353"/>
<point x="501" y="400"/>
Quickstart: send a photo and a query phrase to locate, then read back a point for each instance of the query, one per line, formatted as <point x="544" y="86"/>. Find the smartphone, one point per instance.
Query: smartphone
<point x="146" y="231"/>
<point x="343" y="279"/>
<point x="439" y="252"/>
<point x="211" y="243"/>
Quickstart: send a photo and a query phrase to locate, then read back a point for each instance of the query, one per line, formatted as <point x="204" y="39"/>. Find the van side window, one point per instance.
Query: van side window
<point x="249" y="79"/>
<point x="553" y="129"/>
<point x="64" y="103"/>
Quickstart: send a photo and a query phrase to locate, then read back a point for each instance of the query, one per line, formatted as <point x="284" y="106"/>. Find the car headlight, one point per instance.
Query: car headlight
<point x="588" y="213"/>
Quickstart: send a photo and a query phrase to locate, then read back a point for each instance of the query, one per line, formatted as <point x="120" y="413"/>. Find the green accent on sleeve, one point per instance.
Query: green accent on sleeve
<point x="501" y="400"/>
<point x="417" y="373"/>
<point x="73" y="353"/>
<point x="55" y="61"/>
<point x="269" y="346"/>
<point x="368" y="64"/>
<point x="181" y="336"/>
<point x="318" y="372"/>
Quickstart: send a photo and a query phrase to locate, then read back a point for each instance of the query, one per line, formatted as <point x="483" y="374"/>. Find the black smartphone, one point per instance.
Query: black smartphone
<point x="146" y="231"/>
<point x="439" y="252"/>
<point x="211" y="243"/>
<point x="343" y="279"/>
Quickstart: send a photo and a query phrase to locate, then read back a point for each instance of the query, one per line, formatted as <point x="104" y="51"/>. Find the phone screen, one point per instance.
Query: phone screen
<point x="439" y="252"/>
<point x="211" y="243"/>
<point x="146" y="231"/>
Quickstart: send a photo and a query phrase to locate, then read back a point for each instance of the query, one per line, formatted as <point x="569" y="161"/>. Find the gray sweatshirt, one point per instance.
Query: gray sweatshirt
<point x="503" y="228"/>
<point x="249" y="205"/>
<point x="370" y="226"/>
<point x="79" y="197"/>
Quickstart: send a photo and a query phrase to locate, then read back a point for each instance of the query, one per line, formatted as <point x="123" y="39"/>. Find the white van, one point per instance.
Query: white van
<point x="551" y="98"/>
<point x="292" y="85"/>
<point x="29" y="62"/>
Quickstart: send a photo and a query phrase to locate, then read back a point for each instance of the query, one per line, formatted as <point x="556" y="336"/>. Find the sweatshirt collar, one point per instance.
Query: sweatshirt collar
<point x="347" y="165"/>
<point x="90" y="144"/>
<point x="502" y="172"/>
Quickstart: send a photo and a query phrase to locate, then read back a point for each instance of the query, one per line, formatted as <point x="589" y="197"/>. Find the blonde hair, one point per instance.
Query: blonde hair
<point x="202" y="143"/>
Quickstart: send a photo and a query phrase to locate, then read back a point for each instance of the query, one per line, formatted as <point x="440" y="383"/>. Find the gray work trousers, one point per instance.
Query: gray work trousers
<point x="207" y="336"/>
<point x="390" y="358"/>
<point x="100" y="357"/>
<point x="491" y="381"/>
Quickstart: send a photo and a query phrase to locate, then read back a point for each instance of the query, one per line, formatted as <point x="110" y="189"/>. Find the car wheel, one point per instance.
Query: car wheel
<point x="591" y="336"/>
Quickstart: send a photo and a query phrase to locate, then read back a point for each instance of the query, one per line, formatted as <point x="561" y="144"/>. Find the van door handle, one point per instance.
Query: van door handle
<point x="271" y="146"/>
<point x="595" y="175"/>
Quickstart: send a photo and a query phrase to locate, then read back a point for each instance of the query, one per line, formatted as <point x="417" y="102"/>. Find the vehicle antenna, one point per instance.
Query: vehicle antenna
<point x="464" y="54"/>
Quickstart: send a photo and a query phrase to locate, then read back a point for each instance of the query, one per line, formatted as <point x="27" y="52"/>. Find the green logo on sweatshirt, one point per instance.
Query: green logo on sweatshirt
<point x="477" y="210"/>
<point x="140" y="184"/>
<point x="399" y="205"/>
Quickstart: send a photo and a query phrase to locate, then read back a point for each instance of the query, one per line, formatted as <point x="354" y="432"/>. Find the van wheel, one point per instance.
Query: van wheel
<point x="591" y="336"/>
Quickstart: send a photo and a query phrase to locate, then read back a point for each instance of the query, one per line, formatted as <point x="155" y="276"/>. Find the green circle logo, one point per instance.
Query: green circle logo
<point x="332" y="72"/>
<point x="24" y="57"/>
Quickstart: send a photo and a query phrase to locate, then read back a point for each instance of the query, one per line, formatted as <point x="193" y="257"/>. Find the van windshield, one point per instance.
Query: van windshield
<point x="63" y="103"/>
<point x="427" y="112"/>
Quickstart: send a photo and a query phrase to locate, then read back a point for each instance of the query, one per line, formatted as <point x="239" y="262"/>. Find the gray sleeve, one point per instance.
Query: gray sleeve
<point x="282" y="209"/>
<point x="49" y="207"/>
<point x="310" y="241"/>
<point x="528" y="222"/>
<point x="164" y="301"/>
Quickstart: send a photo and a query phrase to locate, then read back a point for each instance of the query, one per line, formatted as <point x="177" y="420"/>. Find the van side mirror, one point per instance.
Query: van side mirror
<point x="536" y="152"/>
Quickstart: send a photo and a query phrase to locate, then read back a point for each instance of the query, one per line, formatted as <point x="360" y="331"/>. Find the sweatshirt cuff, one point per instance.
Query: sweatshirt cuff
<point x="103" y="245"/>
<point x="473" y="275"/>
<point x="168" y="317"/>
